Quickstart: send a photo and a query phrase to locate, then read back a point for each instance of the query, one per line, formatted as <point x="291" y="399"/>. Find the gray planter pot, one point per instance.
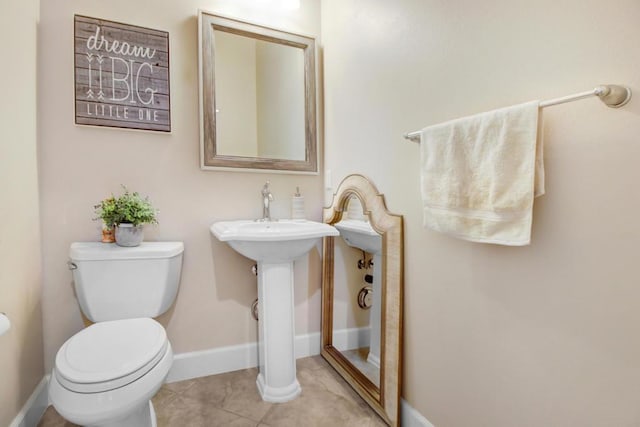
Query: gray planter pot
<point x="129" y="235"/>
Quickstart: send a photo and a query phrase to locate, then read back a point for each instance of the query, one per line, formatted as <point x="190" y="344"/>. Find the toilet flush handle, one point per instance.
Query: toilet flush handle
<point x="72" y="265"/>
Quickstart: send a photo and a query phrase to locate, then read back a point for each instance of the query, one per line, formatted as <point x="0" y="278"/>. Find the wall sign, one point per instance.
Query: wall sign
<point x="121" y="75"/>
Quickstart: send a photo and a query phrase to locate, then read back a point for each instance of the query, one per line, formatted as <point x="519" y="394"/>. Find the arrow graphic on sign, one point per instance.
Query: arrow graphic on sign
<point x="100" y="93"/>
<point x="90" y="59"/>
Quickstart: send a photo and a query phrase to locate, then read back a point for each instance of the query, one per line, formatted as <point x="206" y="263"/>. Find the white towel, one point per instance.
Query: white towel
<point x="479" y="175"/>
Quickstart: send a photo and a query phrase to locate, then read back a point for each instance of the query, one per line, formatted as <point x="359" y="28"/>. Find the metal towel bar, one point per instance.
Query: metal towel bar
<point x="614" y="96"/>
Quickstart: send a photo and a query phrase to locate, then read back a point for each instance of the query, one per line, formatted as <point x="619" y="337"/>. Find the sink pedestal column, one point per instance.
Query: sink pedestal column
<point x="277" y="380"/>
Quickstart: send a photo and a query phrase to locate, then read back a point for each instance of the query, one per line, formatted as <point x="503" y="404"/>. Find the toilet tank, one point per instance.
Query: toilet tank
<point x="114" y="282"/>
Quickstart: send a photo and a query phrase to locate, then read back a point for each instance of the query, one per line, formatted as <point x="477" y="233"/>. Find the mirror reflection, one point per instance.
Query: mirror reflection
<point x="259" y="90"/>
<point x="357" y="287"/>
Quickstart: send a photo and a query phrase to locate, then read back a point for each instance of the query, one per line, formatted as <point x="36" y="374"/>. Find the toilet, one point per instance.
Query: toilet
<point x="106" y="374"/>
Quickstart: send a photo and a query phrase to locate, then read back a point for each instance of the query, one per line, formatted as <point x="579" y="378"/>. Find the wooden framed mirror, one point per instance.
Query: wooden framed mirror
<point x="362" y="295"/>
<point x="257" y="97"/>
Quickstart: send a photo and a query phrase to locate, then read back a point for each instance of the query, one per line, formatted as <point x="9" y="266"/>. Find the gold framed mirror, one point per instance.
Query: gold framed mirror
<point x="257" y="97"/>
<point x="370" y="247"/>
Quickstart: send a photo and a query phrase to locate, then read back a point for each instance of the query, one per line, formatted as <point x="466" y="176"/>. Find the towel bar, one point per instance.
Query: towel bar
<point x="613" y="96"/>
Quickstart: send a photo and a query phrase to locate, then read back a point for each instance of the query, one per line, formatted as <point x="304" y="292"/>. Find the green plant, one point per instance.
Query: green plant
<point x="130" y="208"/>
<point x="106" y="211"/>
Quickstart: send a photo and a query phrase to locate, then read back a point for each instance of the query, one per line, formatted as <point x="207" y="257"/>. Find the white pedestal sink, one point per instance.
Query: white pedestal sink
<point x="274" y="245"/>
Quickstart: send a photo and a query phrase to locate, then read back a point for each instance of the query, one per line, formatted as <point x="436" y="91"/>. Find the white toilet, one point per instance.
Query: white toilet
<point x="106" y="374"/>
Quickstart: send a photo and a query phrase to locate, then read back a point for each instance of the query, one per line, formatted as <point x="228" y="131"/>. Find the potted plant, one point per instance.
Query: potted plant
<point x="128" y="214"/>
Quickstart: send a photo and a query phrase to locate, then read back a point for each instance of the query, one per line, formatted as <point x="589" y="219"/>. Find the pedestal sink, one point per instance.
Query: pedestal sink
<point x="274" y="245"/>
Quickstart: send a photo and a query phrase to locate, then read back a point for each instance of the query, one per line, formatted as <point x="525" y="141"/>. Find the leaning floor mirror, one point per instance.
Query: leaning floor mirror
<point x="362" y="295"/>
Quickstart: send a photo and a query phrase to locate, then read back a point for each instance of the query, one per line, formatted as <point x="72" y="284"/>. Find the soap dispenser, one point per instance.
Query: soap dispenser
<point x="297" y="205"/>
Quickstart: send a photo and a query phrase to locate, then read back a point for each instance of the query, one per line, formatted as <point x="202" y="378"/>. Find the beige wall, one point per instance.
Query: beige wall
<point x="496" y="336"/>
<point x="21" y="365"/>
<point x="80" y="165"/>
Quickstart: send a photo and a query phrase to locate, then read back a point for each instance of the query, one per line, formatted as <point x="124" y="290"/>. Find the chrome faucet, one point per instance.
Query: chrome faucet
<point x="267" y="198"/>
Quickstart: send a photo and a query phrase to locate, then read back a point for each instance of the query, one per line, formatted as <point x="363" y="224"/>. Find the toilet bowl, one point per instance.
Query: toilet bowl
<point x="106" y="374"/>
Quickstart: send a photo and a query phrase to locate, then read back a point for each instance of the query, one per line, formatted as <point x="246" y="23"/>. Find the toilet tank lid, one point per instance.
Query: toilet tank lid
<point x="97" y="251"/>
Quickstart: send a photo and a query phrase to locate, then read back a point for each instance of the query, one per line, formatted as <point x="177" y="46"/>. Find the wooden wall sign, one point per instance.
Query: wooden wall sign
<point x="121" y="75"/>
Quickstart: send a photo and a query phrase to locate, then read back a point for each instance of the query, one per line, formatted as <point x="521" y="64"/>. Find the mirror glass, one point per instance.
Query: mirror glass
<point x="357" y="286"/>
<point x="257" y="97"/>
<point x="362" y="295"/>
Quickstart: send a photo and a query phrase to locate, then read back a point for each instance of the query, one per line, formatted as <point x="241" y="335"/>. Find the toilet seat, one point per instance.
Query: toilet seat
<point x="109" y="355"/>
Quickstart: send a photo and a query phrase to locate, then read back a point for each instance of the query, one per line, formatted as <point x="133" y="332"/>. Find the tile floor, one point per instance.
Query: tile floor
<point x="232" y="399"/>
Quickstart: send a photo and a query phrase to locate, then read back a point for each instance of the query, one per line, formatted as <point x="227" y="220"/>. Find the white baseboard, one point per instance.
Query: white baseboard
<point x="410" y="417"/>
<point x="34" y="408"/>
<point x="307" y="345"/>
<point x="214" y="361"/>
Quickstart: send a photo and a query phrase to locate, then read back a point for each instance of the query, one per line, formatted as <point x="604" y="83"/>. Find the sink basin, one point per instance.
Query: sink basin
<point x="274" y="245"/>
<point x="272" y="241"/>
<point x="360" y="234"/>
